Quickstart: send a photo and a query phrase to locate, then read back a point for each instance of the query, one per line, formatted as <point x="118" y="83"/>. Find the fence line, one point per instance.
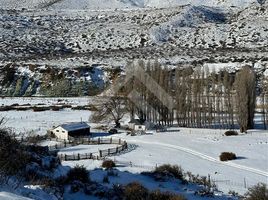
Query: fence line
<point x="243" y="184"/>
<point x="85" y="141"/>
<point x="101" y="154"/>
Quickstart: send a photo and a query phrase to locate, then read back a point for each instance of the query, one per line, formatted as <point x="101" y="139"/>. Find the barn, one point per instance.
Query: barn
<point x="74" y="130"/>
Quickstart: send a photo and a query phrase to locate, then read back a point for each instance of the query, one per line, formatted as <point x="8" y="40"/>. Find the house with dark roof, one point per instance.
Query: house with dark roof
<point x="74" y="130"/>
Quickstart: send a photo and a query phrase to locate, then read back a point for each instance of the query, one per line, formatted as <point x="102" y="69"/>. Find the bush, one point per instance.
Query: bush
<point x="257" y="192"/>
<point x="231" y="133"/>
<point x="170" y="170"/>
<point x="78" y="173"/>
<point x="13" y="155"/>
<point x="135" y="191"/>
<point x="158" y="195"/>
<point x="225" y="156"/>
<point x="105" y="179"/>
<point x="108" y="164"/>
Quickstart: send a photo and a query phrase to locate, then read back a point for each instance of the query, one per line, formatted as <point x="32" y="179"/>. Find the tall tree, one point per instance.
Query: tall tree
<point x="245" y="83"/>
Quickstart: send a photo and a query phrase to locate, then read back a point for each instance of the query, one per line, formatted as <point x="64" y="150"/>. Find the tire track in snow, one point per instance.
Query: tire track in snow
<point x="209" y="158"/>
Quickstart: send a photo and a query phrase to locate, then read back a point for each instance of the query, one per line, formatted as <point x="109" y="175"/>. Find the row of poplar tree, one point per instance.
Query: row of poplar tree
<point x="201" y="98"/>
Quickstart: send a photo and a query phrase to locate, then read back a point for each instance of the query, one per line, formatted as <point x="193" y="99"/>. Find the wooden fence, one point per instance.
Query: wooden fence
<point x="87" y="141"/>
<point x="102" y="154"/>
<point x="122" y="145"/>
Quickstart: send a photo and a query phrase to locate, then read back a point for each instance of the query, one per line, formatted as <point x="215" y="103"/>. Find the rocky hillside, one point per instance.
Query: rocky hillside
<point x="81" y="43"/>
<point x="118" y="4"/>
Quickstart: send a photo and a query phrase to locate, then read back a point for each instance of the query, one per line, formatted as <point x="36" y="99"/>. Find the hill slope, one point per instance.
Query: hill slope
<point x="116" y="4"/>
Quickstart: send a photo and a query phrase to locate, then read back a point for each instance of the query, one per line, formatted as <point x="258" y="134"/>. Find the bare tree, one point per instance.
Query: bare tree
<point x="112" y="109"/>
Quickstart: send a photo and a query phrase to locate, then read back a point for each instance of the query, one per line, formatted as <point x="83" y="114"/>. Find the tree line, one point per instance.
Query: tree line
<point x="201" y="97"/>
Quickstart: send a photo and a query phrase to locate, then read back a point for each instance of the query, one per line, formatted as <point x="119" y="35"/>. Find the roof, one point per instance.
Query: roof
<point x="74" y="126"/>
<point x="135" y="121"/>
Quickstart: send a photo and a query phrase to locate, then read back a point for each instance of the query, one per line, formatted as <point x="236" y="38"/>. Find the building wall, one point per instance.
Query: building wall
<point x="139" y="128"/>
<point x="80" y="133"/>
<point x="60" y="133"/>
<point x="131" y="125"/>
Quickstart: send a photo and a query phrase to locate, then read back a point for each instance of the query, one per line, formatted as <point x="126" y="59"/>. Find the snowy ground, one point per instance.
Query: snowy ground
<point x="83" y="149"/>
<point x="11" y="196"/>
<point x="42" y="100"/>
<point x="198" y="151"/>
<point x="40" y="122"/>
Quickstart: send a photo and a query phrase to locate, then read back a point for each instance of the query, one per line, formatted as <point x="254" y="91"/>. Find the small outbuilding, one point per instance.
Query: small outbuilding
<point x="136" y="125"/>
<point x="74" y="130"/>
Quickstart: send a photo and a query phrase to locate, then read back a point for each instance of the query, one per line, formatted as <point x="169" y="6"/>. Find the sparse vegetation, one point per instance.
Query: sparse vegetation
<point x="105" y="179"/>
<point x="257" y="192"/>
<point x="230" y="133"/>
<point x="170" y="171"/>
<point x="108" y="164"/>
<point x="135" y="191"/>
<point x="13" y="155"/>
<point x="78" y="173"/>
<point x="158" y="195"/>
<point x="225" y="156"/>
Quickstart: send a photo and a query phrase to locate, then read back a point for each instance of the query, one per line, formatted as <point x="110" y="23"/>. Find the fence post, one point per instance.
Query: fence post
<point x="90" y="155"/>
<point x="120" y="141"/>
<point x="209" y="182"/>
<point x="108" y="152"/>
<point x="65" y="157"/>
<point x="111" y="140"/>
<point x="245" y="183"/>
<point x="100" y="153"/>
<point x="116" y="149"/>
<point x="98" y="140"/>
<point x="78" y="156"/>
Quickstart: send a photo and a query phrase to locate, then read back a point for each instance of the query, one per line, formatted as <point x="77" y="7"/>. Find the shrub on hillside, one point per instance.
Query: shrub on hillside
<point x="225" y="156"/>
<point x="105" y="179"/>
<point x="135" y="191"/>
<point x="78" y="173"/>
<point x="108" y="164"/>
<point x="257" y="192"/>
<point x="13" y="156"/>
<point x="158" y="195"/>
<point x="170" y="171"/>
<point x="231" y="133"/>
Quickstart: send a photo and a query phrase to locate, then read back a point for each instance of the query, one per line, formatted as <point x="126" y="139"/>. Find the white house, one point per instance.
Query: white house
<point x="74" y="129"/>
<point x="136" y="125"/>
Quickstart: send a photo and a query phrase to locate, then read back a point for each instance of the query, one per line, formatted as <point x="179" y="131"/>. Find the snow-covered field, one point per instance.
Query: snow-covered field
<point x="83" y="149"/>
<point x="42" y="100"/>
<point x="196" y="150"/>
<point x="40" y="122"/>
